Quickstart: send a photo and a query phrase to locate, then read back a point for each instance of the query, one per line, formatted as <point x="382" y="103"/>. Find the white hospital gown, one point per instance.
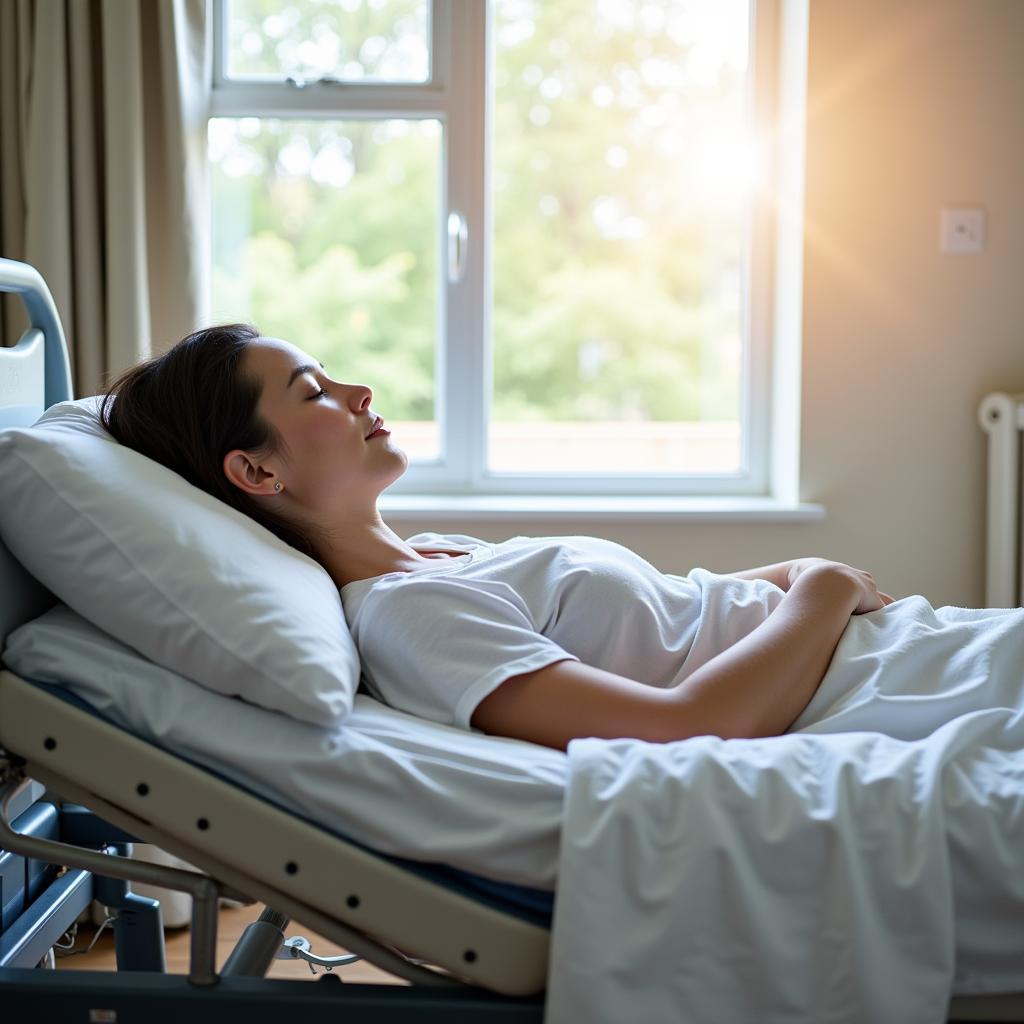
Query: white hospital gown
<point x="435" y="642"/>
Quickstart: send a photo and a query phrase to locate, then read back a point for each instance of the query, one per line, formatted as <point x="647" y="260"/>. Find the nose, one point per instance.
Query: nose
<point x="360" y="397"/>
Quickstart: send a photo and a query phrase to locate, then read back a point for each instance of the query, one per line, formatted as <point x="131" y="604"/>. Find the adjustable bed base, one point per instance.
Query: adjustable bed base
<point x="252" y="850"/>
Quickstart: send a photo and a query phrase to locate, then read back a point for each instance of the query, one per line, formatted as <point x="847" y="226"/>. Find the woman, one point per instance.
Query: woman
<point x="542" y="639"/>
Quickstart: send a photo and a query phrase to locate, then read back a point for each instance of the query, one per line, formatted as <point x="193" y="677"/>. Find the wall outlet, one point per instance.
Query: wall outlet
<point x="961" y="229"/>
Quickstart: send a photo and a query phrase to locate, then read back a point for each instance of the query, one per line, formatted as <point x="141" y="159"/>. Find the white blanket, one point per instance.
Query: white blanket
<point x="865" y="869"/>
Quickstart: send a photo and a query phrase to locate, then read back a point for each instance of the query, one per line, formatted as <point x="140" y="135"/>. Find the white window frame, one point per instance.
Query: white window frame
<point x="458" y="95"/>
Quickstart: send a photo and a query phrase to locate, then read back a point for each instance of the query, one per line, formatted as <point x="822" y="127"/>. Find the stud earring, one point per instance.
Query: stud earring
<point x="277" y="486"/>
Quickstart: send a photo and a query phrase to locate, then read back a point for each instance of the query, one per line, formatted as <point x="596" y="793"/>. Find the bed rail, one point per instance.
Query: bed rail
<point x="34" y="374"/>
<point x="41" y="352"/>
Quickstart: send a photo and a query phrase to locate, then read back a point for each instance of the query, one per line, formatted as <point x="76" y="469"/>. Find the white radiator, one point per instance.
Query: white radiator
<point x="1002" y="418"/>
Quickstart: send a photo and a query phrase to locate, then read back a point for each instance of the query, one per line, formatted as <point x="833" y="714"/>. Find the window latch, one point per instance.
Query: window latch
<point x="458" y="235"/>
<point x="304" y="83"/>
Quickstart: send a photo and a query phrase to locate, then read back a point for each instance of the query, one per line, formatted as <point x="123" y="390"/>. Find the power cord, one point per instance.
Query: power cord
<point x="72" y="933"/>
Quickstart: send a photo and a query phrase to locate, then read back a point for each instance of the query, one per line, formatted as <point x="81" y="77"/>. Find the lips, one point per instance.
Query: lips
<point x="377" y="425"/>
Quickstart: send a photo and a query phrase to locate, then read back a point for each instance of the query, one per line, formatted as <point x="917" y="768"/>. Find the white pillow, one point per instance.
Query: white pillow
<point x="185" y="580"/>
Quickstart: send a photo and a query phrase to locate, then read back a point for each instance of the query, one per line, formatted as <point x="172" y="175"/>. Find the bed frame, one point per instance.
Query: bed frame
<point x="488" y="957"/>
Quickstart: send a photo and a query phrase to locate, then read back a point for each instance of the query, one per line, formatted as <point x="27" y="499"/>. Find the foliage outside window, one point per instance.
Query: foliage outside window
<point x="620" y="172"/>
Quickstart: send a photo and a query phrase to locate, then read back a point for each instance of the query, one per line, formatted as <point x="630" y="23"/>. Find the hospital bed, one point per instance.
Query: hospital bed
<point x="76" y="790"/>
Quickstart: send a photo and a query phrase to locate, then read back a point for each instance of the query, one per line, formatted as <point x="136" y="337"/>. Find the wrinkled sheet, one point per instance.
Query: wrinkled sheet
<point x="865" y="867"/>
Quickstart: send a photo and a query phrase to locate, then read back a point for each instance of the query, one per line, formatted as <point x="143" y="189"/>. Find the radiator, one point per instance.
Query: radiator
<point x="1002" y="418"/>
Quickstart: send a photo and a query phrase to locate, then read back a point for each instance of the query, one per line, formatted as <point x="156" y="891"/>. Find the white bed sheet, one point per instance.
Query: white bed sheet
<point x="401" y="785"/>
<point x="929" y="705"/>
<point x="865" y="868"/>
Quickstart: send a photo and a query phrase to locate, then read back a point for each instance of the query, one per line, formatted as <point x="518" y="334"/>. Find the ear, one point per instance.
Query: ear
<point x="247" y="474"/>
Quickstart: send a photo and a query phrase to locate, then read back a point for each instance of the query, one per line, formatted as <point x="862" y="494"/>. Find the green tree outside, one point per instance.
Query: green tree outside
<point x="617" y="269"/>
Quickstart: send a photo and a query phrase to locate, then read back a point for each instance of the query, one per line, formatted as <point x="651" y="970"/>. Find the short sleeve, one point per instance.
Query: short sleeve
<point x="437" y="647"/>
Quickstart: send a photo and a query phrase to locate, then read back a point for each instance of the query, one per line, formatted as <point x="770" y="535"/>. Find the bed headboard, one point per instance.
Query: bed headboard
<point x="34" y="375"/>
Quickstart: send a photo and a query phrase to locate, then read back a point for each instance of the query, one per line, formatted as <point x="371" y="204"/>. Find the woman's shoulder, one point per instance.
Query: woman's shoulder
<point x="428" y="606"/>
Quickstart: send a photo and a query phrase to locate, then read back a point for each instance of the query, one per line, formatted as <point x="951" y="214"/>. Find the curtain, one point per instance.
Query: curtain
<point x="102" y="171"/>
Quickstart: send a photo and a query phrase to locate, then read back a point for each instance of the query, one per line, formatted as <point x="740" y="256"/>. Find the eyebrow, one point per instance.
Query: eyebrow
<point x="300" y="370"/>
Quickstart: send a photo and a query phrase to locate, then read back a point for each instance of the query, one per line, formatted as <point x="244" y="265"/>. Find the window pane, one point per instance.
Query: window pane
<point x="621" y="180"/>
<point x="349" y="40"/>
<point x="325" y="233"/>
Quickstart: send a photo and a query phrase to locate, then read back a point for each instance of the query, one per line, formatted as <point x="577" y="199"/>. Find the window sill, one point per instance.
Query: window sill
<point x="598" y="507"/>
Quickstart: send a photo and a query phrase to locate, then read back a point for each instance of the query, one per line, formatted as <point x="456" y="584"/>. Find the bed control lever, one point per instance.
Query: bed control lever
<point x="298" y="947"/>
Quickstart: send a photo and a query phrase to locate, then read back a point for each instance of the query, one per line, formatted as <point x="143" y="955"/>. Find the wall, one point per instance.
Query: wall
<point x="912" y="105"/>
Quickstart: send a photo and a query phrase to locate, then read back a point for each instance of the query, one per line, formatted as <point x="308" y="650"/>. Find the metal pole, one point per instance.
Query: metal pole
<point x="204" y="890"/>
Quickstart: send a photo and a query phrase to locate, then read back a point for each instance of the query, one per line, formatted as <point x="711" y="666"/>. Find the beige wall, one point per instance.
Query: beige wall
<point x="912" y="105"/>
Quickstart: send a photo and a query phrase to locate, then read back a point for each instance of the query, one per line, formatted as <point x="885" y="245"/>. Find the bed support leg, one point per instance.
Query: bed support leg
<point x="204" y="890"/>
<point x="205" y="908"/>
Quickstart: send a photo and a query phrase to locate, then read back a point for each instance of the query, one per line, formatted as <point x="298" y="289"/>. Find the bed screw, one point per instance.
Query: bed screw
<point x="142" y="789"/>
<point x="353" y="902"/>
<point x="50" y="743"/>
<point x="291" y="867"/>
<point x="202" y="824"/>
<point x="469" y="956"/>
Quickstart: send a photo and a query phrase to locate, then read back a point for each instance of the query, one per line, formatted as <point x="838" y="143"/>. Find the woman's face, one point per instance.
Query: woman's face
<point x="327" y="463"/>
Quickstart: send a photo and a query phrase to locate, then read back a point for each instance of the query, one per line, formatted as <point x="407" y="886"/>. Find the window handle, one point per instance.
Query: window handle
<point x="458" y="234"/>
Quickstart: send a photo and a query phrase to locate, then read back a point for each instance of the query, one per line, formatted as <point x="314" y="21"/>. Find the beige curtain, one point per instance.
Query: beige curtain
<point x="102" y="171"/>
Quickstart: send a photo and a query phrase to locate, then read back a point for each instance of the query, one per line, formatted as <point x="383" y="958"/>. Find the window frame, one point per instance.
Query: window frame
<point x="458" y="95"/>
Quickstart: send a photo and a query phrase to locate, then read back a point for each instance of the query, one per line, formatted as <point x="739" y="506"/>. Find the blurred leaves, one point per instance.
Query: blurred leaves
<point x="618" y="246"/>
<point x="382" y="40"/>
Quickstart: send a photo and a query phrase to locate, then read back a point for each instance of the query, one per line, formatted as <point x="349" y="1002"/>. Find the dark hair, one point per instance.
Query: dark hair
<point x="189" y="407"/>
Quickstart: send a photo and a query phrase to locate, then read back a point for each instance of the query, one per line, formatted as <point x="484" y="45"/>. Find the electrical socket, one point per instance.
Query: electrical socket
<point x="961" y="229"/>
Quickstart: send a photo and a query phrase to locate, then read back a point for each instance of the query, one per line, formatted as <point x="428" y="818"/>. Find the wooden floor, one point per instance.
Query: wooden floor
<point x="231" y="925"/>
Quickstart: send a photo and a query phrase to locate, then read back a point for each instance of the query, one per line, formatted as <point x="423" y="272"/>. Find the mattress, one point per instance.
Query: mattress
<point x="484" y="805"/>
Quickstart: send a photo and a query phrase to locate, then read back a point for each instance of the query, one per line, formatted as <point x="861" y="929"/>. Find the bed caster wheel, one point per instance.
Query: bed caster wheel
<point x="330" y="979"/>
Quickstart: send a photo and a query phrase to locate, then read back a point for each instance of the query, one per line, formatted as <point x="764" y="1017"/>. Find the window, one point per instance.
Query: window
<point x="531" y="226"/>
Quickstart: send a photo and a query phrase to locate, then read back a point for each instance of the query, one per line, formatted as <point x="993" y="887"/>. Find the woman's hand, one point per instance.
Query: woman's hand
<point x="871" y="598"/>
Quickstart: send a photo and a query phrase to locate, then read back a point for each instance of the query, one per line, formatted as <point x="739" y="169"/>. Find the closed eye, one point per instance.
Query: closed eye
<point x="320" y="394"/>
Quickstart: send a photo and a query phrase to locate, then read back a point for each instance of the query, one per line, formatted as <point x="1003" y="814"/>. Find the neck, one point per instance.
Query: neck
<point x="364" y="549"/>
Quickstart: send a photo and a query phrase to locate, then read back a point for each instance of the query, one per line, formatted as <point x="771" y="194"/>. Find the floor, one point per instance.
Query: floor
<point x="231" y="925"/>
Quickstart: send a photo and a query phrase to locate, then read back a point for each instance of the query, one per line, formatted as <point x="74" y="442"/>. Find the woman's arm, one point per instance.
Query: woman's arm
<point x="783" y="574"/>
<point x="777" y="574"/>
<point x="758" y="687"/>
